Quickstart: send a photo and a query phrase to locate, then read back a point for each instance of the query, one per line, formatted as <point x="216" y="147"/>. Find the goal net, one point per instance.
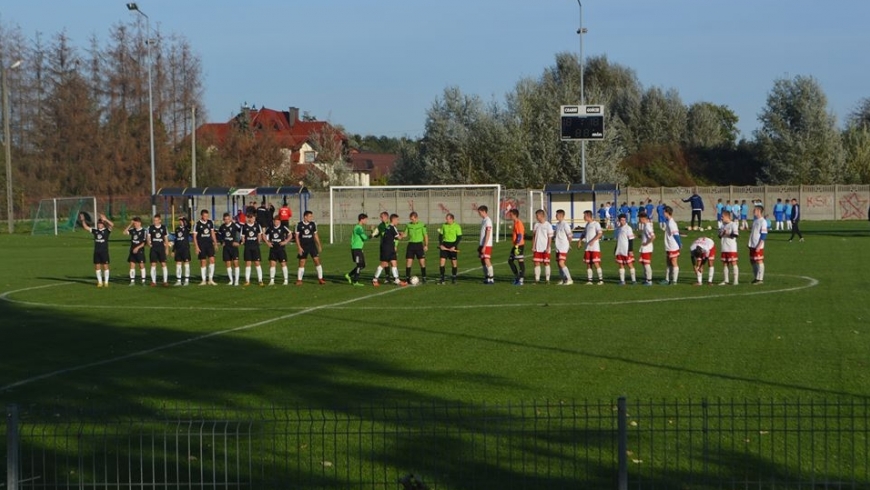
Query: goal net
<point x="61" y="214"/>
<point x="432" y="203"/>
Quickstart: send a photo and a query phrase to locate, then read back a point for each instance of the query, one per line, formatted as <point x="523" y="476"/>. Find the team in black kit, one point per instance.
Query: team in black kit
<point x="231" y="236"/>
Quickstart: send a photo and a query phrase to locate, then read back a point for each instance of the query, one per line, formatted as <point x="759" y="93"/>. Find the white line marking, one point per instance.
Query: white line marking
<point x="132" y="355"/>
<point x="811" y="282"/>
<point x="183" y="342"/>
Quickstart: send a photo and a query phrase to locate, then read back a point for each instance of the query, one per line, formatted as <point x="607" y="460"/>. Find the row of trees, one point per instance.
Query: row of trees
<point x="80" y="126"/>
<point x="80" y="120"/>
<point x="652" y="137"/>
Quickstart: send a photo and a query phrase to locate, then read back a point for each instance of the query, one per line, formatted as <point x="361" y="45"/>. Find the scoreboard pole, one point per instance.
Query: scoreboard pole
<point x="580" y="32"/>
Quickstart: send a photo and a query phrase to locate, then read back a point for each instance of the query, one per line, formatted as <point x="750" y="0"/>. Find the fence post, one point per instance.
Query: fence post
<point x="622" y="445"/>
<point x="12" y="447"/>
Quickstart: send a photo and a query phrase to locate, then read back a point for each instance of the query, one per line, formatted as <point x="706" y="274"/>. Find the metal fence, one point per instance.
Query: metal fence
<point x="540" y="445"/>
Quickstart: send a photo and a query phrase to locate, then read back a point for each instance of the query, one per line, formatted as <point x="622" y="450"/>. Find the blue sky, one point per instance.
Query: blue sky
<point x="375" y="66"/>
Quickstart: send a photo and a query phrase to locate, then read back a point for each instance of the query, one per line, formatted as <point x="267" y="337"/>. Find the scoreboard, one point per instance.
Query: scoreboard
<point x="582" y="122"/>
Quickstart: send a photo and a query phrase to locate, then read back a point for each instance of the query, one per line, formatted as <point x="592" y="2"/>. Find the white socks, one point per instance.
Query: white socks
<point x="735" y="274"/>
<point x="99" y="277"/>
<point x="537" y="273"/>
<point x="211" y="272"/>
<point x="565" y="273"/>
<point x="547" y="272"/>
<point x="710" y="275"/>
<point x="259" y="273"/>
<point x="647" y="272"/>
<point x="320" y="272"/>
<point x="378" y="272"/>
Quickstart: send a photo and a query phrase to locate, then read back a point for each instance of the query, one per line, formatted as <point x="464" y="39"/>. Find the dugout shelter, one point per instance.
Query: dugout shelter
<point x="185" y="201"/>
<point x="576" y="198"/>
<point x="252" y="196"/>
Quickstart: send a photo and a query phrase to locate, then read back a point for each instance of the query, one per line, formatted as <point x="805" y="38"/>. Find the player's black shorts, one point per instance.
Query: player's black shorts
<point x="136" y="257"/>
<point x="415" y="251"/>
<point x="308" y="249"/>
<point x="359" y="258"/>
<point x="447" y="254"/>
<point x="206" y="250"/>
<point x="278" y="254"/>
<point x="182" y="253"/>
<point x="389" y="254"/>
<point x="520" y="253"/>
<point x="252" y="254"/>
<point x="231" y="253"/>
<point x="158" y="254"/>
<point x="101" y="256"/>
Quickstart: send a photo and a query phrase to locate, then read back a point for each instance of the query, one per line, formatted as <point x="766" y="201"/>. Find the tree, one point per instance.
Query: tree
<point x="798" y="137"/>
<point x="332" y="155"/>
<point x="860" y="116"/>
<point x="856" y="140"/>
<point x="711" y="126"/>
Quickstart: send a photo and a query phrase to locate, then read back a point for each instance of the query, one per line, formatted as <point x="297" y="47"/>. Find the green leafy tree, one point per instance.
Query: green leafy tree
<point x="856" y="140"/>
<point x="798" y="137"/>
<point x="711" y="126"/>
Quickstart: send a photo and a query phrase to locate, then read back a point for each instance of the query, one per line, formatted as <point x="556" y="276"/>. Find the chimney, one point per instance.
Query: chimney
<point x="293" y="116"/>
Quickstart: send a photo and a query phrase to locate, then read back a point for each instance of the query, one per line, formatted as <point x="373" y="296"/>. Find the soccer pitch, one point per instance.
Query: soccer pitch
<point x="802" y="334"/>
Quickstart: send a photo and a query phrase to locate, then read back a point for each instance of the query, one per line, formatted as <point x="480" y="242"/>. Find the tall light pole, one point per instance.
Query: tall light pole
<point x="580" y="31"/>
<point x="133" y="7"/>
<point x="7" y="143"/>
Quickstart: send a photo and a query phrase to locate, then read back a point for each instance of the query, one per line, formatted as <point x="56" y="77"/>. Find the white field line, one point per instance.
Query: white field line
<point x="159" y="348"/>
<point x="811" y="282"/>
<point x="185" y="341"/>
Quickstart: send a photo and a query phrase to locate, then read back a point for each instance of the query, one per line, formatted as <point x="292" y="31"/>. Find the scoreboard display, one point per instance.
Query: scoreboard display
<point x="582" y="122"/>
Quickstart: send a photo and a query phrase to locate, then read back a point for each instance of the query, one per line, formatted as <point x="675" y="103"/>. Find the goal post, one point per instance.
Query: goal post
<point x="431" y="202"/>
<point x="58" y="215"/>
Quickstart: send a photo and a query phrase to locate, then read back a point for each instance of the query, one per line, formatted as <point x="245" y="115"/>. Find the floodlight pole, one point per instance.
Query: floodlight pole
<point x="580" y="31"/>
<point x="135" y="8"/>
<point x="7" y="143"/>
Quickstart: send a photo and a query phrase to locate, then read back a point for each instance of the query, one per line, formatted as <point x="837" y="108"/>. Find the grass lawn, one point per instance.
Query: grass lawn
<point x="801" y="335"/>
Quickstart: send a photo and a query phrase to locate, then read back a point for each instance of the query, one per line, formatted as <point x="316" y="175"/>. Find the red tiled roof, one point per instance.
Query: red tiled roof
<point x="377" y="164"/>
<point x="290" y="134"/>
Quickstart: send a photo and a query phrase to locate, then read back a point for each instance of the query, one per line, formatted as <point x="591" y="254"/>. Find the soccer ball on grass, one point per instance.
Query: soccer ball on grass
<point x="414" y="281"/>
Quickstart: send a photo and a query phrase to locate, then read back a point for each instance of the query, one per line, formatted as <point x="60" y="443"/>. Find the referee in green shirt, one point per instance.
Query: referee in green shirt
<point x="418" y="244"/>
<point x="357" y="240"/>
<point x="449" y="236"/>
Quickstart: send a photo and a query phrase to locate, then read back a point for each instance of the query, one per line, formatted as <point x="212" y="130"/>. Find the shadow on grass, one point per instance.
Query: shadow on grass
<point x="638" y="362"/>
<point x="347" y="425"/>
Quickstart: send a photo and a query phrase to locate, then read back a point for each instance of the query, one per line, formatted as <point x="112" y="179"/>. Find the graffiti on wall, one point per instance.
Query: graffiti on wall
<point x="853" y="206"/>
<point x="819" y="201"/>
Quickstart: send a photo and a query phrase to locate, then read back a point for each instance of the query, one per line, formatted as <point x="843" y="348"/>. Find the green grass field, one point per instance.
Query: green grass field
<point x="473" y="386"/>
<point x="803" y="334"/>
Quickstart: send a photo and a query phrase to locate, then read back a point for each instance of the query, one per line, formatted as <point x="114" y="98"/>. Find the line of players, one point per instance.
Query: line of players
<point x="231" y="236"/>
<point x="545" y="236"/>
<point x="702" y="250"/>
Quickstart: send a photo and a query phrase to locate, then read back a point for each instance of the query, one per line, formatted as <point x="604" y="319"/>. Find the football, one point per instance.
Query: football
<point x="414" y="281"/>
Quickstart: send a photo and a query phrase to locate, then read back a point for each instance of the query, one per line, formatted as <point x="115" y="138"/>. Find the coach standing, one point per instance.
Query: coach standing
<point x="795" y="220"/>
<point x="697" y="206"/>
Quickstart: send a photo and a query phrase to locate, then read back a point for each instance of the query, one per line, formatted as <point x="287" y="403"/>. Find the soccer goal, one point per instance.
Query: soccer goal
<point x="61" y="214"/>
<point x="431" y="202"/>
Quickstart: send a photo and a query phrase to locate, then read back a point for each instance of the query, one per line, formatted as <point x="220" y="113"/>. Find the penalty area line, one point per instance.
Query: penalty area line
<point x="171" y="345"/>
